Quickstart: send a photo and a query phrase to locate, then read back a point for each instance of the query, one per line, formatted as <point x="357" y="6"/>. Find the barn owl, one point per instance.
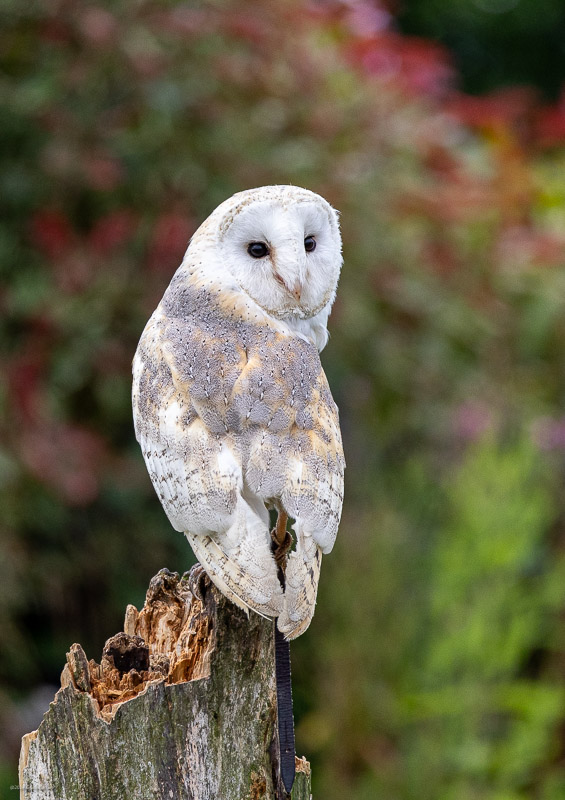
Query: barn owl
<point x="231" y="406"/>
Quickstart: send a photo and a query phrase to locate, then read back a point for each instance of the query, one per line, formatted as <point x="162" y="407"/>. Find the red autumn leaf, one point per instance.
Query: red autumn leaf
<point x="24" y="381"/>
<point x="426" y="66"/>
<point x="112" y="231"/>
<point x="415" y="64"/>
<point x="248" y="27"/>
<point x="550" y="124"/>
<point x="55" y="30"/>
<point x="503" y="108"/>
<point x="51" y="233"/>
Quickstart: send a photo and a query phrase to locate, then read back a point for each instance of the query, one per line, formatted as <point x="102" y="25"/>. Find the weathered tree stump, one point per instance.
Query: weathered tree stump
<point x="181" y="707"/>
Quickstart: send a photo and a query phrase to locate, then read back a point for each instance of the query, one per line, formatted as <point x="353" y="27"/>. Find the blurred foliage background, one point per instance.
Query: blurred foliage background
<point x="435" y="665"/>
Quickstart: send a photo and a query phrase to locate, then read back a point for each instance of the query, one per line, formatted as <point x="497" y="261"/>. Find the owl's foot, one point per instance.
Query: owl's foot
<point x="281" y="548"/>
<point x="281" y="542"/>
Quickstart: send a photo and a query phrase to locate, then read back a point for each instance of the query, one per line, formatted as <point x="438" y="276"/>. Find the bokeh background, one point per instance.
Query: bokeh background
<point x="435" y="665"/>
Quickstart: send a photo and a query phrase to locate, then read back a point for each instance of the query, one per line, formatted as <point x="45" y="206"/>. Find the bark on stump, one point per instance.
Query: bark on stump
<point x="181" y="707"/>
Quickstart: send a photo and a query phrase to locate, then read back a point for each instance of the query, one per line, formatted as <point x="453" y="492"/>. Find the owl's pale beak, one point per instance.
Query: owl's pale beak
<point x="295" y="290"/>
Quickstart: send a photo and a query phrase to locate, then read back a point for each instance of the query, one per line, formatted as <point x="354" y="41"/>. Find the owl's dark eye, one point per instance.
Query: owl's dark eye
<point x="257" y="249"/>
<point x="309" y="244"/>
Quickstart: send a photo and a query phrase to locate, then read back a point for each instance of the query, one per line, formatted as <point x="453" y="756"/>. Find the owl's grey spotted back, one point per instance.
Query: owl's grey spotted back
<point x="231" y="406"/>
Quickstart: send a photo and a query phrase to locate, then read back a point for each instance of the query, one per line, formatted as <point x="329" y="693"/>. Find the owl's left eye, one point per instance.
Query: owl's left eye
<point x="309" y="244"/>
<point x="257" y="249"/>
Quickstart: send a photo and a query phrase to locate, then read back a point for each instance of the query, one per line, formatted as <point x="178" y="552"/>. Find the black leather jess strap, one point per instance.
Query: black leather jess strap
<point x="284" y="709"/>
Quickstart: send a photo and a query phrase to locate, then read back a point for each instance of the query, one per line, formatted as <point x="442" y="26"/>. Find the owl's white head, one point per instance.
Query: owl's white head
<point x="281" y="246"/>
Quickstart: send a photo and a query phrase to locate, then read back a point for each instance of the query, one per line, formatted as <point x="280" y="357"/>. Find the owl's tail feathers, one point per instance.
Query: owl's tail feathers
<point x="301" y="585"/>
<point x="244" y="572"/>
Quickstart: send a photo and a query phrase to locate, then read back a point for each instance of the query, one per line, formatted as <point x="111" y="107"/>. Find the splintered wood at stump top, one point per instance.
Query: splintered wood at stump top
<point x="181" y="707"/>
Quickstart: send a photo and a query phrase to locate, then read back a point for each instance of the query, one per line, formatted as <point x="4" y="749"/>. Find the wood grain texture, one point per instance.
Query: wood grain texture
<point x="153" y="734"/>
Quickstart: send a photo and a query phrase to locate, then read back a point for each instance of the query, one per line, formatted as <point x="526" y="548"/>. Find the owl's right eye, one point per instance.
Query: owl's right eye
<point x="257" y="249"/>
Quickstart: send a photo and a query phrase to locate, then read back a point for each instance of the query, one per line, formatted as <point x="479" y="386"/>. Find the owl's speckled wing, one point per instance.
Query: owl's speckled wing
<point x="232" y="414"/>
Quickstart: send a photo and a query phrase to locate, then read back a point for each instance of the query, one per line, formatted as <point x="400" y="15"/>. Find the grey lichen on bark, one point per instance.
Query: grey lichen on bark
<point x="181" y="707"/>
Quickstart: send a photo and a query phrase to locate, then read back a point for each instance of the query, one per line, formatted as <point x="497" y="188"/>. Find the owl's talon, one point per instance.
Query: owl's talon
<point x="281" y="542"/>
<point x="280" y="549"/>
